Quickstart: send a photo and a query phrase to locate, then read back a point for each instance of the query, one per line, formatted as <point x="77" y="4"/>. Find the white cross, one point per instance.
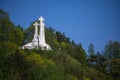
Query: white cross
<point x="35" y="24"/>
<point x="41" y="18"/>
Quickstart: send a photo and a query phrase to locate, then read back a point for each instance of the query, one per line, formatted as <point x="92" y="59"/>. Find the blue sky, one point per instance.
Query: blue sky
<point x="84" y="21"/>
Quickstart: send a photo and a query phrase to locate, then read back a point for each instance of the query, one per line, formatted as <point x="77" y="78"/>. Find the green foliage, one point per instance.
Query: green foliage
<point x="80" y="54"/>
<point x="51" y="38"/>
<point x="19" y="35"/>
<point x="91" y="50"/>
<point x="69" y="65"/>
<point x="94" y="74"/>
<point x="3" y="15"/>
<point x="42" y="68"/>
<point x="91" y="55"/>
<point x="112" y="55"/>
<point x="29" y="32"/>
<point x="8" y="31"/>
<point x="112" y="50"/>
<point x="71" y="77"/>
<point x="61" y="37"/>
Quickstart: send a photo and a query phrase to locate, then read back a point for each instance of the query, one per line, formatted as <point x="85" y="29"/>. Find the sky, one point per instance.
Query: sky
<point x="84" y="21"/>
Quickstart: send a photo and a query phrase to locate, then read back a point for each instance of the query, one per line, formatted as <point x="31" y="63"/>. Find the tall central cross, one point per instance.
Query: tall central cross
<point x="41" y="19"/>
<point x="41" y="31"/>
<point x="41" y="22"/>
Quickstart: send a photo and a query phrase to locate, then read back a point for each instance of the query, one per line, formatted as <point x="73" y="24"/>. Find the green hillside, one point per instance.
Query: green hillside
<point x="67" y="60"/>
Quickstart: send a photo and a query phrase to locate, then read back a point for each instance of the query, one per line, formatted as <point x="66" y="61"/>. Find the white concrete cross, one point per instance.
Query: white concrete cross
<point x="38" y="39"/>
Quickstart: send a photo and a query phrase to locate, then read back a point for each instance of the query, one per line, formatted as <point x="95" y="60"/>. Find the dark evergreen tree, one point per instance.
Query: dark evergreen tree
<point x="91" y="57"/>
<point x="112" y="55"/>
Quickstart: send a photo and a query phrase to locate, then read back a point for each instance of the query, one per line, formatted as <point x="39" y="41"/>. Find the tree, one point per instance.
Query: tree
<point x="92" y="57"/>
<point x="100" y="59"/>
<point x="112" y="55"/>
<point x="8" y="31"/>
<point x="91" y="50"/>
<point x="4" y="18"/>
<point x="18" y="35"/>
<point x="112" y="50"/>
<point x="61" y="37"/>
<point x="80" y="54"/>
<point x="3" y="15"/>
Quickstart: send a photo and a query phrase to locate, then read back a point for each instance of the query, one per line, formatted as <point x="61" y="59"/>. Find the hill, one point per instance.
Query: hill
<point x="67" y="60"/>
